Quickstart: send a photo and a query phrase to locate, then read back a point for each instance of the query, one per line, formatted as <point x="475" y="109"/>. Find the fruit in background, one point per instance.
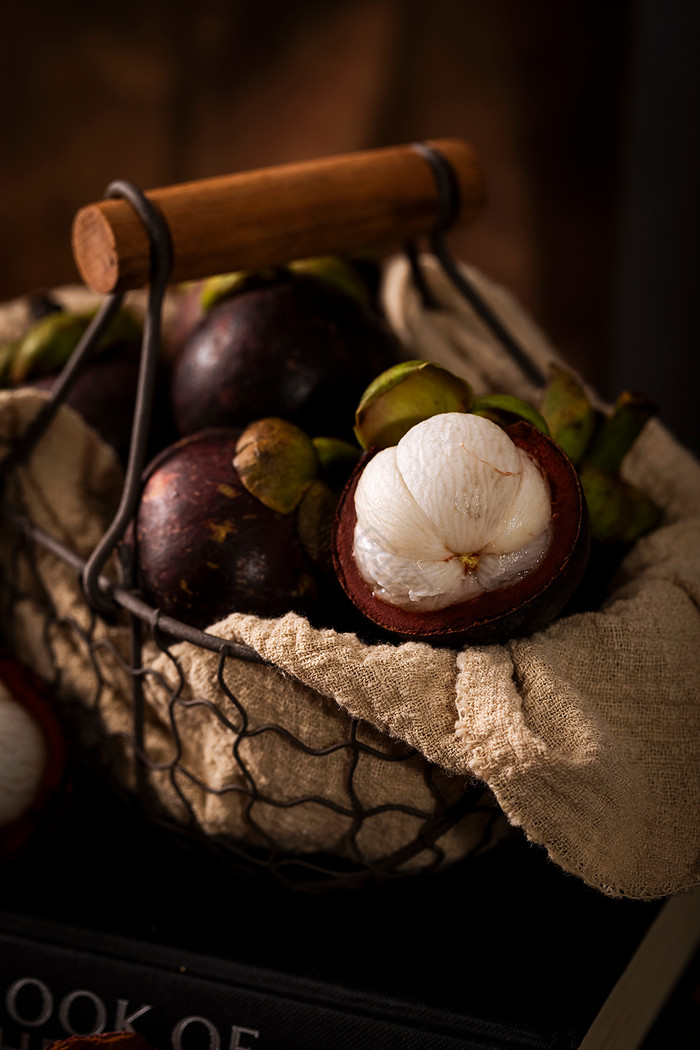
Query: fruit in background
<point x="235" y="520"/>
<point x="598" y="443"/>
<point x="333" y="270"/>
<point x="184" y="312"/>
<point x="34" y="769"/>
<point x="620" y="512"/>
<point x="105" y="390"/>
<point x="570" y="416"/>
<point x="295" y="346"/>
<point x="190" y="302"/>
<point x="48" y="343"/>
<point x="464" y="531"/>
<point x="356" y="276"/>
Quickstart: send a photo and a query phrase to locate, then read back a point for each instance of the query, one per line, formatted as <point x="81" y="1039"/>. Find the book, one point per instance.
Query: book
<point x="655" y="969"/>
<point x="113" y="923"/>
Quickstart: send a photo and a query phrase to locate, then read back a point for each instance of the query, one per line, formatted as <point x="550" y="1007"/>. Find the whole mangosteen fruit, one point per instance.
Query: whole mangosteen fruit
<point x="104" y="392"/>
<point x="294" y="346"/>
<point x="206" y="546"/>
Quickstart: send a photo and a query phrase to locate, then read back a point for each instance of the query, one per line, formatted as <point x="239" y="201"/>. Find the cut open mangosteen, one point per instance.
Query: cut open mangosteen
<point x="535" y="589"/>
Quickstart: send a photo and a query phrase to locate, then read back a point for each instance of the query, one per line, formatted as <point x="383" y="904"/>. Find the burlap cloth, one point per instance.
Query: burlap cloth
<point x="586" y="735"/>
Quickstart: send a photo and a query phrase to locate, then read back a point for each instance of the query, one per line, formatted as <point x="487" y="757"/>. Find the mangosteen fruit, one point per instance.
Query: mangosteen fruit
<point x="464" y="531"/>
<point x="207" y="546"/>
<point x="295" y="346"/>
<point x="104" y="392"/>
<point x="35" y="771"/>
<point x="190" y="302"/>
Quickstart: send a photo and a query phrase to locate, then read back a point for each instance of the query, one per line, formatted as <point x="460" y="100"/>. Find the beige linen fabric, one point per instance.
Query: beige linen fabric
<point x="587" y="733"/>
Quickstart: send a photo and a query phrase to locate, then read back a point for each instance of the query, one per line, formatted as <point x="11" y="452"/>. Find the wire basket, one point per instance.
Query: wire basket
<point x="309" y="795"/>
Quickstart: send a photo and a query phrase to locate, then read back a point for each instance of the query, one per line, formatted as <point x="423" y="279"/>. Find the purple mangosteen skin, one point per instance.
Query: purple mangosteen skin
<point x="205" y="547"/>
<point x="104" y="394"/>
<point x="297" y="348"/>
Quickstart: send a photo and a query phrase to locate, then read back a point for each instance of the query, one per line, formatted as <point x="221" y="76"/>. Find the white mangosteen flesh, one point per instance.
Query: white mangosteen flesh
<point x="453" y="510"/>
<point x="22" y="758"/>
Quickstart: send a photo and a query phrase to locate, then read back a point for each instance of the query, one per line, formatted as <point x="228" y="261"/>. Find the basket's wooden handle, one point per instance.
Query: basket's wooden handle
<point x="368" y="200"/>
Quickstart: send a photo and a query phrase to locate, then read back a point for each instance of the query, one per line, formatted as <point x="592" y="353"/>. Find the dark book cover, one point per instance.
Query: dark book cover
<point x="111" y="923"/>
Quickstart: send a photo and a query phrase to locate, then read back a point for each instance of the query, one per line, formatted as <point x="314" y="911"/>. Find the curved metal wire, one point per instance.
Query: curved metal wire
<point x="160" y="270"/>
<point x="448" y="196"/>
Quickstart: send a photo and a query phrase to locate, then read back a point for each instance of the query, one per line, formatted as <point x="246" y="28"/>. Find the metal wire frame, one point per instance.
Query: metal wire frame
<point x="433" y="816"/>
<point x="105" y="598"/>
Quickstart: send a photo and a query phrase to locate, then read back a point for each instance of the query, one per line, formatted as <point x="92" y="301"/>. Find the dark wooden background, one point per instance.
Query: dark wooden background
<point x="590" y="183"/>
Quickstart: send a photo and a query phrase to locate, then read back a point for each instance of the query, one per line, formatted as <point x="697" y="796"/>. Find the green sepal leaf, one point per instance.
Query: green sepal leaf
<point x="617" y="510"/>
<point x="276" y="462"/>
<point x="50" y="341"/>
<point x="505" y="409"/>
<point x="571" y="417"/>
<point x="406" y="394"/>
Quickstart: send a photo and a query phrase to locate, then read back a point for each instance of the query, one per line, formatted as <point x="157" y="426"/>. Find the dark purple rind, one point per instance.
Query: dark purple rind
<point x="296" y="348"/>
<point x="104" y="394"/>
<point x="512" y="611"/>
<point x="205" y="547"/>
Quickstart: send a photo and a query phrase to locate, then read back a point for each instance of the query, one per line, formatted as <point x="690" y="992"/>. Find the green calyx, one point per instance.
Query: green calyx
<point x="276" y="462"/>
<point x="618" y="510"/>
<point x="50" y="341"/>
<point x="336" y="459"/>
<point x="619" y="430"/>
<point x="331" y="269"/>
<point x="223" y="286"/>
<point x="7" y="354"/>
<point x="336" y="271"/>
<point x="404" y="395"/>
<point x="505" y="409"/>
<point x="283" y="467"/>
<point x="597" y="445"/>
<point x="315" y="523"/>
<point x="569" y="414"/>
